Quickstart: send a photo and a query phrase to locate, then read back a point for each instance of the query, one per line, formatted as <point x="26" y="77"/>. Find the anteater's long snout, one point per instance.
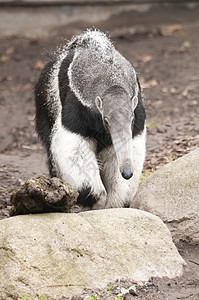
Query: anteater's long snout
<point x="123" y="146"/>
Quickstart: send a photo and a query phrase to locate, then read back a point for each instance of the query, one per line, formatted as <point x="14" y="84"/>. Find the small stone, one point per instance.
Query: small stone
<point x="161" y="129"/>
<point x="124" y="291"/>
<point x="132" y="291"/>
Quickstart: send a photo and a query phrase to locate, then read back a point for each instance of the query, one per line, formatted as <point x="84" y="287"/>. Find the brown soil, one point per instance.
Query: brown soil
<point x="166" y="58"/>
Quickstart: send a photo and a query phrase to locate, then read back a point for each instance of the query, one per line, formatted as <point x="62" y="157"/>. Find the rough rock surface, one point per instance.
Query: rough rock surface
<point x="172" y="193"/>
<point x="43" y="194"/>
<point x="58" y="254"/>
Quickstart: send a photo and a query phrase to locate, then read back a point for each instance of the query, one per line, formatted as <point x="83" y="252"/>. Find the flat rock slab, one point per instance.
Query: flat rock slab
<point x="172" y="193"/>
<point x="58" y="255"/>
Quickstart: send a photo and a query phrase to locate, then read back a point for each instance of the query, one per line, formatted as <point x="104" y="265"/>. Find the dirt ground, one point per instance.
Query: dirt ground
<point x="165" y="53"/>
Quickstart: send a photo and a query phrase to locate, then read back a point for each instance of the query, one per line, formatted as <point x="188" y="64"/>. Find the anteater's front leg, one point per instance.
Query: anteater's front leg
<point x="120" y="192"/>
<point x="74" y="161"/>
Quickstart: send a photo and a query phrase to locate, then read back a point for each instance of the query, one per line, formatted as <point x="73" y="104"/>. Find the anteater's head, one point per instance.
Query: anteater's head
<point x="117" y="111"/>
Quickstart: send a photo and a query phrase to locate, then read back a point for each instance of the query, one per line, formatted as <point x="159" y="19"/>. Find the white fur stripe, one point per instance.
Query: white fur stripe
<point x="74" y="159"/>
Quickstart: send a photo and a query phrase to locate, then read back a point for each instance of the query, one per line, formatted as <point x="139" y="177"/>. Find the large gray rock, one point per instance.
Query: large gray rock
<point x="172" y="193"/>
<point x="59" y="254"/>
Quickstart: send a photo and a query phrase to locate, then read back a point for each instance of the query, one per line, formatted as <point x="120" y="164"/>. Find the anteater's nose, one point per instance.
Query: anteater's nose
<point x="127" y="172"/>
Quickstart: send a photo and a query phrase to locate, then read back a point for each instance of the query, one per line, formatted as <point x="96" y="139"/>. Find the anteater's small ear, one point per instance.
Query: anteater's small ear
<point x="136" y="92"/>
<point x="134" y="102"/>
<point x="99" y="103"/>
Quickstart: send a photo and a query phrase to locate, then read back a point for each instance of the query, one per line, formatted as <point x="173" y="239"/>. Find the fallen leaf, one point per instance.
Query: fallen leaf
<point x="38" y="65"/>
<point x="150" y="83"/>
<point x="165" y="90"/>
<point x="26" y="86"/>
<point x="4" y="58"/>
<point x="9" y="78"/>
<point x="145" y="58"/>
<point x="133" y="281"/>
<point x="171" y="29"/>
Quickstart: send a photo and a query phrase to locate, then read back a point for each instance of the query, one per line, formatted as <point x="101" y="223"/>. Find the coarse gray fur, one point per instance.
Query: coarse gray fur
<point x="98" y="66"/>
<point x="106" y="84"/>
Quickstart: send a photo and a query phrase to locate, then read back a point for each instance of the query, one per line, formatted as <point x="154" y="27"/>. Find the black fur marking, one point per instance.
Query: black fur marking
<point x="85" y="198"/>
<point x="75" y="116"/>
<point x="50" y="164"/>
<point x="44" y="119"/>
<point x="140" y="115"/>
